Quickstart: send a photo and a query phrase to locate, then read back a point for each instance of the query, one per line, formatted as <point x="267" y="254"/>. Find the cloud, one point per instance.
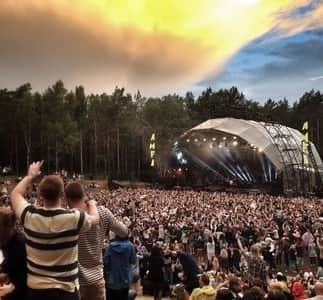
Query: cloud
<point x="301" y="18"/>
<point x="294" y="59"/>
<point x="154" y="46"/>
<point x="42" y="47"/>
<point x="282" y="68"/>
<point x="316" y="78"/>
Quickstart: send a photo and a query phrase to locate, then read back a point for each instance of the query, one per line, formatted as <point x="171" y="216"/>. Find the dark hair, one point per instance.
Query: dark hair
<point x="255" y="293"/>
<point x="281" y="277"/>
<point x="205" y="279"/>
<point x="224" y="294"/>
<point x="233" y="281"/>
<point x="156" y="252"/>
<point x="74" y="191"/>
<point x="119" y="238"/>
<point x="51" y="188"/>
<point x="276" y="294"/>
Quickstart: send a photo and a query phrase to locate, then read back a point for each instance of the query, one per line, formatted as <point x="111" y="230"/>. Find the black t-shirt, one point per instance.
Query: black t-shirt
<point x="299" y="250"/>
<point x="15" y="265"/>
<point x="156" y="265"/>
<point x="292" y="254"/>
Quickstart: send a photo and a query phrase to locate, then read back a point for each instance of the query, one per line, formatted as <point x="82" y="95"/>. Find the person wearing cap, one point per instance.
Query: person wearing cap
<point x="281" y="277"/>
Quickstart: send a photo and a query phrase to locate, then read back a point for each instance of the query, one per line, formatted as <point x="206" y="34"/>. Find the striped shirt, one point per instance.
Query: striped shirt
<point x="91" y="245"/>
<point x="52" y="245"/>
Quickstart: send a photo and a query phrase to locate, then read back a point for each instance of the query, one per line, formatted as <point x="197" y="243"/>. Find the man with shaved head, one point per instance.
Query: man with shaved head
<point x="52" y="234"/>
<point x="318" y="289"/>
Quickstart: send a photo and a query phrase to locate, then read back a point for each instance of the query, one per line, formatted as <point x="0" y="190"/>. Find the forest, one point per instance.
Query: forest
<point x="102" y="135"/>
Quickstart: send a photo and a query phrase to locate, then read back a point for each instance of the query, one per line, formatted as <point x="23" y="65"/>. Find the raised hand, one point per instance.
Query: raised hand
<point x="34" y="169"/>
<point x="6" y="289"/>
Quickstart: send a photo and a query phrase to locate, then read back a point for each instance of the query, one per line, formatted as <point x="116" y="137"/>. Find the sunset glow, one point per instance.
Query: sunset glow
<point x="147" y="43"/>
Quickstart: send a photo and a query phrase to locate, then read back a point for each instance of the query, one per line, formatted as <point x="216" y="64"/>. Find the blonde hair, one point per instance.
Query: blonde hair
<point x="255" y="250"/>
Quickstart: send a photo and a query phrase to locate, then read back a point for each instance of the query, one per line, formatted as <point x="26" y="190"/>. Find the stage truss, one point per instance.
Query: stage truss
<point x="300" y="176"/>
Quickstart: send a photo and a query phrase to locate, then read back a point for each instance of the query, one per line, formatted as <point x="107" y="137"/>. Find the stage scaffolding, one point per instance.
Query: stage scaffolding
<point x="300" y="176"/>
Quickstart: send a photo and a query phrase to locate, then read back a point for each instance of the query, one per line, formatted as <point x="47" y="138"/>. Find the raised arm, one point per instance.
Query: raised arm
<point x="17" y="200"/>
<point x="243" y="252"/>
<point x="93" y="212"/>
<point x="117" y="227"/>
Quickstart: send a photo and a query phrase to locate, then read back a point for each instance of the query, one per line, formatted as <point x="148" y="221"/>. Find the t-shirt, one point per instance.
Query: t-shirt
<point x="210" y="249"/>
<point x="52" y="245"/>
<point x="312" y="250"/>
<point x="256" y="267"/>
<point x="91" y="245"/>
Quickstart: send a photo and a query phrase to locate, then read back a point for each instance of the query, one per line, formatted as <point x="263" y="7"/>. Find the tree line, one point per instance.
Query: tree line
<point x="108" y="134"/>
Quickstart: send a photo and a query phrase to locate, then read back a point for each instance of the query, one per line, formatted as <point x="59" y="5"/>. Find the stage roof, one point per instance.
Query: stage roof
<point x="262" y="135"/>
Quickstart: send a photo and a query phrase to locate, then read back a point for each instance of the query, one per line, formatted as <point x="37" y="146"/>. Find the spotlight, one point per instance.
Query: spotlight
<point x="224" y="138"/>
<point x="220" y="146"/>
<point x="211" y="146"/>
<point x="179" y="155"/>
<point x="214" y="139"/>
<point x="260" y="150"/>
<point x="235" y="143"/>
<point x="183" y="161"/>
<point x="196" y="140"/>
<point x="204" y="140"/>
<point x="234" y="137"/>
<point x="188" y="140"/>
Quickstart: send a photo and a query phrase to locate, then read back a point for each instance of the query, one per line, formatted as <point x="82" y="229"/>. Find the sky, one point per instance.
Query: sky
<point x="267" y="48"/>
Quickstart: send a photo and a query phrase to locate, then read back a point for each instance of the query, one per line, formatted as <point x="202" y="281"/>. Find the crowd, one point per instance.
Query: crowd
<point x="218" y="230"/>
<point x="6" y="170"/>
<point x="178" y="243"/>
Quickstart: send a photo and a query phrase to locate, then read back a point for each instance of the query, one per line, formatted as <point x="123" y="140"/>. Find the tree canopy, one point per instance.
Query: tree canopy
<point x="102" y="134"/>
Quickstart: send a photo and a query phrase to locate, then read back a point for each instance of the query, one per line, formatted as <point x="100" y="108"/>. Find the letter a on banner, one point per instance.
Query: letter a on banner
<point x="305" y="143"/>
